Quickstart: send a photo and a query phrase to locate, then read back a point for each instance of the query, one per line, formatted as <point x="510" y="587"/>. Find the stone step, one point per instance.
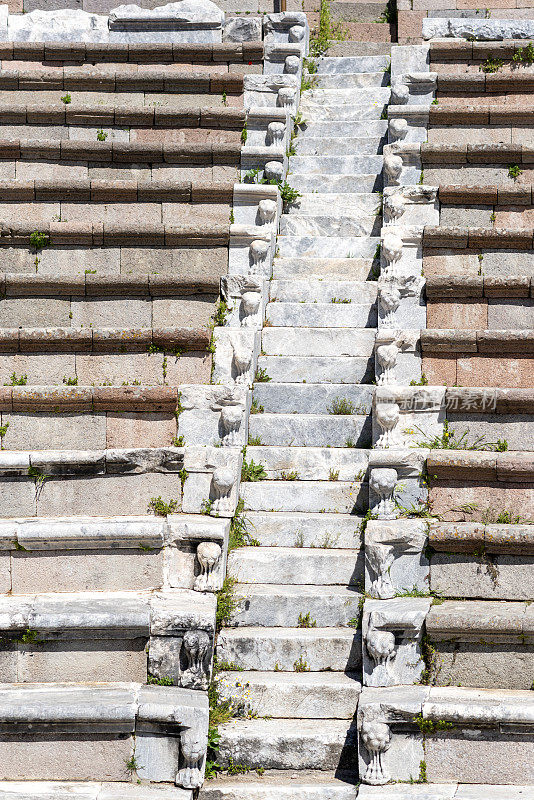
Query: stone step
<point x="315" y="398"/>
<point x="325" y="246"/>
<point x="295" y="565"/>
<point x="279" y="529"/>
<point x="336" y="165"/>
<point x="340" y="497"/>
<point x="310" y="463"/>
<point x="350" y="64"/>
<point x="318" y="111"/>
<point x="355" y="204"/>
<point x="94" y="636"/>
<point x="309" y="341"/>
<point x="308" y="430"/>
<point x="97" y="728"/>
<point x="324" y="290"/>
<point x="275" y="605"/>
<point x="331" y="183"/>
<point x="322" y="145"/>
<point x="317" y="269"/>
<point x="290" y="649"/>
<point x="90" y="790"/>
<point x="323" y="315"/>
<point x="357" y="80"/>
<point x="344" y="95"/>
<point x="304" y="695"/>
<point x="318" y="369"/>
<point x="289" y="745"/>
<point x="372" y="130"/>
<point x="447" y="791"/>
<point x="306" y="785"/>
<point x="345" y="225"/>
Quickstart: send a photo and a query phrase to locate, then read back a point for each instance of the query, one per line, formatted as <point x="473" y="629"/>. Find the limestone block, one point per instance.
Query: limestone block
<point x="411" y="205"/>
<point x="397" y="356"/>
<point x="267" y="91"/>
<point x="409" y="58"/>
<point x="249" y="208"/>
<point x="267" y="127"/>
<point x="391" y="635"/>
<point x="394" y="557"/>
<point x="287" y="26"/>
<point x="157" y="754"/>
<point x="405" y="416"/>
<point x="28" y="431"/>
<point x="61" y="25"/>
<point x="214" y="414"/>
<point x="493" y="577"/>
<point x="478" y="29"/>
<point x="213" y="478"/>
<point x="236" y="353"/>
<point x="88" y="533"/>
<point x="282" y="57"/>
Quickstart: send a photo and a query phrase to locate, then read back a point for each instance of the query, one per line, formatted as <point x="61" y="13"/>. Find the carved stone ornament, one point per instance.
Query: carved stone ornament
<point x="388" y="415"/>
<point x="392" y="251"/>
<point x="376" y="737"/>
<point x="383" y="481"/>
<point x="258" y="253"/>
<point x="266" y="210"/>
<point x="209" y="556"/>
<point x="195" y="645"/>
<point x="380" y="644"/>
<point x="286" y="96"/>
<point x="398" y="129"/>
<point x="291" y="65"/>
<point x="380" y="557"/>
<point x="400" y="94"/>
<point x="222" y="483"/>
<point x="193" y="747"/>
<point x="296" y="33"/>
<point x="232" y="410"/>
<point x="387" y="358"/>
<point x="394" y="207"/>
<point x="393" y="168"/>
<point x="389" y="299"/>
<point x="274" y="170"/>
<point x="276" y="132"/>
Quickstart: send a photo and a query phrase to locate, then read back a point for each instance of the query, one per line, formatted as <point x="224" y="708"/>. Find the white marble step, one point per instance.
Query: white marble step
<point x="345" y="95"/>
<point x="318" y="369"/>
<point x="325" y="290"/>
<point x="317" y="269"/>
<point x="311" y="463"/>
<point x="323" y="315"/>
<point x="345" y="204"/>
<point x="332" y="65"/>
<point x="325" y="224"/>
<point x="303" y="566"/>
<point x="300" y="695"/>
<point x="325" y="146"/>
<point x="277" y="605"/>
<point x="446" y="791"/>
<point x="318" y="111"/>
<point x="331" y="183"/>
<point x="289" y="745"/>
<point x="279" y="529"/>
<point x="314" y="398"/>
<point x="282" y="649"/>
<point x="325" y="246"/>
<point x="91" y="790"/>
<point x="339" y="497"/>
<point x="280" y="785"/>
<point x="371" y="129"/>
<point x="357" y="80"/>
<point x="318" y="341"/>
<point x="335" y="165"/>
<point x="308" y="430"/>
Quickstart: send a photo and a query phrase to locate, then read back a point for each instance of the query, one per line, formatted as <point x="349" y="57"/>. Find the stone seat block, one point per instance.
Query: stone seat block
<point x="283" y="649"/>
<point x="98" y="727"/>
<point x="302" y="566"/>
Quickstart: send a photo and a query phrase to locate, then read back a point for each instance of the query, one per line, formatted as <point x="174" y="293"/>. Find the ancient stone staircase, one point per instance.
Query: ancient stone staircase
<point x="298" y="590"/>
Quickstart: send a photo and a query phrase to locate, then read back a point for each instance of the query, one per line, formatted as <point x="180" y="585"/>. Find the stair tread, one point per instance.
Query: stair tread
<point x="90" y="790"/>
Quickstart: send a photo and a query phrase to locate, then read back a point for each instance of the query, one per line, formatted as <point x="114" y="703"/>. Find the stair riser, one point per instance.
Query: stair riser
<point x="485" y="665"/>
<point x="308" y="496"/>
<point x="372" y="130"/>
<point x="329" y="147"/>
<point x="305" y="530"/>
<point x="290" y="369"/>
<point x="308" y="342"/>
<point x="282" y="398"/>
<point x="48" y="169"/>
<point x="490" y="577"/>
<point x="337" y="653"/>
<point x="310" y="463"/>
<point x="299" y="566"/>
<point x="336" y="165"/>
<point x="345" y="226"/>
<point x="340" y="66"/>
<point x="342" y="269"/>
<point x="297" y="791"/>
<point x="307" y="431"/>
<point x="357" y="80"/>
<point x="321" y="316"/>
<point x="335" y="184"/>
<point x="326" y="610"/>
<point x="89" y="133"/>
<point x="290" y="750"/>
<point x="324" y="247"/>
